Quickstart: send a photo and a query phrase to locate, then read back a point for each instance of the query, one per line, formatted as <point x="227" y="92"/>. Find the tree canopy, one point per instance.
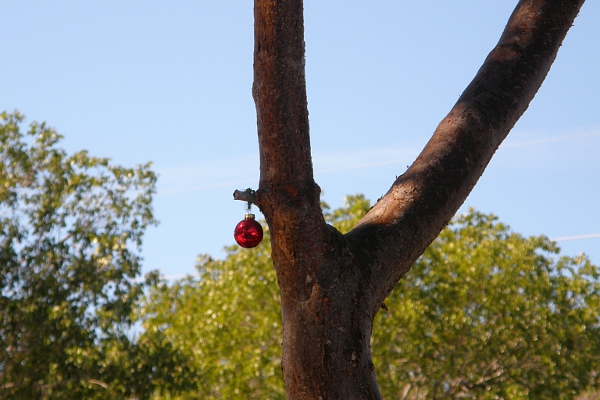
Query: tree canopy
<point x="484" y="313"/>
<point x="227" y="321"/>
<point x="70" y="228"/>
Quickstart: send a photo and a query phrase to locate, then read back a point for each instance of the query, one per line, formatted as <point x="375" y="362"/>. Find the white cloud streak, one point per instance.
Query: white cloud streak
<point x="217" y="174"/>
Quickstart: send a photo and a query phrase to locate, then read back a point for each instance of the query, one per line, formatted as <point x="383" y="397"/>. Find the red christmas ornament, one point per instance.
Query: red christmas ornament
<point x="248" y="233"/>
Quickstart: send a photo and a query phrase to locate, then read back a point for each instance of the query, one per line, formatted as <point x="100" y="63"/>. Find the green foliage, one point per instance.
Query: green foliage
<point x="69" y="227"/>
<point x="488" y="314"/>
<point x="228" y="322"/>
<point x="344" y="218"/>
<point x="485" y="313"/>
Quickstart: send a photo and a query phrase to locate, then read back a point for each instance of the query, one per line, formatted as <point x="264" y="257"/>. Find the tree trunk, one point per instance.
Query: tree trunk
<point x="332" y="285"/>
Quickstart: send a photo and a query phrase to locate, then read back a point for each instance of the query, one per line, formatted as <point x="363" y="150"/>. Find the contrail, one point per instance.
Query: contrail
<point x="548" y="140"/>
<point x="565" y="238"/>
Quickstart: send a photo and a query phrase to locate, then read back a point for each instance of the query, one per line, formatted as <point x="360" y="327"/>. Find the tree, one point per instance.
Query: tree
<point x="485" y="313"/>
<point x="69" y="229"/>
<point x="228" y="324"/>
<point x="332" y="285"/>
<point x="488" y="314"/>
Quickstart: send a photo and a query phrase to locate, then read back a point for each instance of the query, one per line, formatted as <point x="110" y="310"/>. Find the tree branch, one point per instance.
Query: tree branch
<point x="287" y="194"/>
<point x="331" y="285"/>
<point x="421" y="202"/>
<point x="321" y="332"/>
<point x="247" y="195"/>
<point x="279" y="92"/>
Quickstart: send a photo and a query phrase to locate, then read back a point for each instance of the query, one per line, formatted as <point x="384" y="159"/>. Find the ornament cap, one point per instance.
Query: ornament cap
<point x="249" y="216"/>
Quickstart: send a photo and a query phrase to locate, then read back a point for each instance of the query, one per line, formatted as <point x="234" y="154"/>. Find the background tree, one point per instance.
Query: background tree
<point x="69" y="228"/>
<point x="332" y="285"/>
<point x="228" y="324"/>
<point x="485" y="313"/>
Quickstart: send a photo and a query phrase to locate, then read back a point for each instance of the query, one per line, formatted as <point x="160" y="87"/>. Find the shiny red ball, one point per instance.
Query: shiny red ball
<point x="248" y="233"/>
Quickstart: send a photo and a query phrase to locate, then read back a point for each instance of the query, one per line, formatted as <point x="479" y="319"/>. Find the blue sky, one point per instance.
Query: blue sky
<point x="169" y="82"/>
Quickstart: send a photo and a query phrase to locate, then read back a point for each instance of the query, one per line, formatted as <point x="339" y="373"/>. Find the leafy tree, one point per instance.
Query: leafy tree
<point x="488" y="314"/>
<point x="227" y="322"/>
<point x="485" y="313"/>
<point x="333" y="285"/>
<point x="69" y="229"/>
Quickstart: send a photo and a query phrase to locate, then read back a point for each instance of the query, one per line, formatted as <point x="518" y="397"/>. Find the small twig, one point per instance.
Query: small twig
<point x="70" y="235"/>
<point x="97" y="382"/>
<point x="246" y="195"/>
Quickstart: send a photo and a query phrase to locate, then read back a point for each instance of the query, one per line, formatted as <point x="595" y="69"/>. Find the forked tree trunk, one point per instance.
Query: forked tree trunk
<point x="332" y="285"/>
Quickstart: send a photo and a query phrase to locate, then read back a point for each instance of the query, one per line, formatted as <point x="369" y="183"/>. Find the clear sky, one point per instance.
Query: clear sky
<point x="170" y="82"/>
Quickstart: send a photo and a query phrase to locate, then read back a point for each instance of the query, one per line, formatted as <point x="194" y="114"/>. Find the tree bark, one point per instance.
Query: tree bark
<point x="332" y="285"/>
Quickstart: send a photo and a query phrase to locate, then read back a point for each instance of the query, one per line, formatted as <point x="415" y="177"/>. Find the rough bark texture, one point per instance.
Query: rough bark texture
<point x="332" y="285"/>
